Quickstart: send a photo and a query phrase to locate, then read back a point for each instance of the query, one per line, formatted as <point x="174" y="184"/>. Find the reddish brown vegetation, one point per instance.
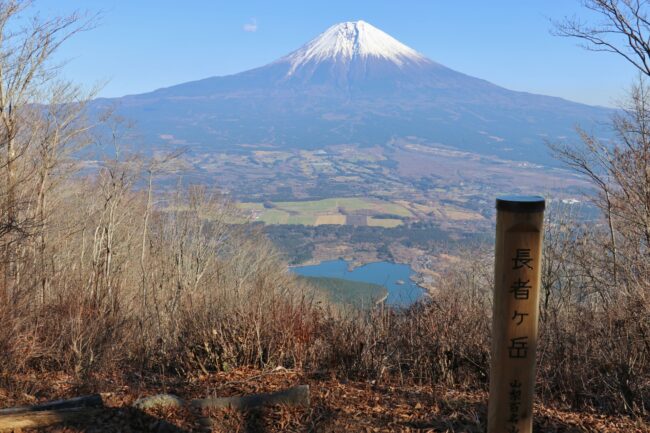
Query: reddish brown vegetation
<point x="109" y="286"/>
<point x="337" y="406"/>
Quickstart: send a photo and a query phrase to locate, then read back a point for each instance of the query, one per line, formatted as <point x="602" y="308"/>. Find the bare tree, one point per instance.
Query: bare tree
<point x="61" y="130"/>
<point x="157" y="165"/>
<point x="615" y="264"/>
<point x="619" y="169"/>
<point x="27" y="74"/>
<point x="25" y="70"/>
<point x="624" y="30"/>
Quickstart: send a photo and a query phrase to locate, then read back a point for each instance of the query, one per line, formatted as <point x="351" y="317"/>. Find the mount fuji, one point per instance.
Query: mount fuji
<point x="354" y="84"/>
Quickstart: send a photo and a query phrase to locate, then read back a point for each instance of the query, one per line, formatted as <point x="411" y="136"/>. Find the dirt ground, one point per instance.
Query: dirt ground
<point x="335" y="406"/>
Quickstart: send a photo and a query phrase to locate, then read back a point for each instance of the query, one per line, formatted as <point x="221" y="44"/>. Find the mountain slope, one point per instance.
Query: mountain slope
<point x="354" y="84"/>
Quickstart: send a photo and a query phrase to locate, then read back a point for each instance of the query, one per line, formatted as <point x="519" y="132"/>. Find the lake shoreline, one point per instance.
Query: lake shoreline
<point x="417" y="278"/>
<point x="399" y="279"/>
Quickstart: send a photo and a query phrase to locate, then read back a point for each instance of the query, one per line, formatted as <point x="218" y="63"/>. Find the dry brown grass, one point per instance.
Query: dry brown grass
<point x="330" y="219"/>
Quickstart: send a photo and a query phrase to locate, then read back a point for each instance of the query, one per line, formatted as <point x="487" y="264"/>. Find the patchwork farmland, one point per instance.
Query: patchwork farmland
<point x="337" y="211"/>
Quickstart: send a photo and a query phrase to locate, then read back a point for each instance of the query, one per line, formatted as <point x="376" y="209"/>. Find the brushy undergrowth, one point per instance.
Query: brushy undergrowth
<point x="215" y="297"/>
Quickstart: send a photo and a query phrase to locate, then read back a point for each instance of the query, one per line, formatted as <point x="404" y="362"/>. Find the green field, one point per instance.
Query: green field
<point x="327" y="211"/>
<point x="348" y="292"/>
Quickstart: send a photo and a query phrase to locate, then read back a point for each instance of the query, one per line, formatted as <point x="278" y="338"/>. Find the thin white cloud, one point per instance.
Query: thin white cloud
<point x="250" y="26"/>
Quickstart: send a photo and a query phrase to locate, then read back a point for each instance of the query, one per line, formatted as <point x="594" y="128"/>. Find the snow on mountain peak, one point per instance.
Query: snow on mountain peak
<point x="354" y="39"/>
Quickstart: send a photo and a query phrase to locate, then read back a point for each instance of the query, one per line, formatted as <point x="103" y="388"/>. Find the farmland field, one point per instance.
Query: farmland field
<point x="338" y="211"/>
<point x="337" y="219"/>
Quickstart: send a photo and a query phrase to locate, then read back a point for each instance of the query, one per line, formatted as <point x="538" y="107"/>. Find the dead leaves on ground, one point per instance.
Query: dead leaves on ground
<point x="335" y="407"/>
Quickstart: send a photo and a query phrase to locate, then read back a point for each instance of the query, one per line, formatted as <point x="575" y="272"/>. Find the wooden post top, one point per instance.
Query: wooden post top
<point x="521" y="203"/>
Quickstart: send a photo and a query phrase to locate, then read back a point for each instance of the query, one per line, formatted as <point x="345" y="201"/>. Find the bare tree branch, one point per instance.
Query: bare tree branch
<point x="625" y="30"/>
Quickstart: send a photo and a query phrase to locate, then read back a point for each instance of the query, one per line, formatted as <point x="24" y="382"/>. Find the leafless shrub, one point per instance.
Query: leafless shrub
<point x="100" y="274"/>
<point x="442" y="340"/>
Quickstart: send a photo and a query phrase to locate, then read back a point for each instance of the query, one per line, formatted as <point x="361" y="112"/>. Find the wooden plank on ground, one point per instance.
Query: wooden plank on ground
<point x="94" y="400"/>
<point x="45" y="418"/>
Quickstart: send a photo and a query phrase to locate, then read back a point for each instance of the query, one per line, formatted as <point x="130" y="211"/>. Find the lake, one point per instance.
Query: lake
<point x="394" y="277"/>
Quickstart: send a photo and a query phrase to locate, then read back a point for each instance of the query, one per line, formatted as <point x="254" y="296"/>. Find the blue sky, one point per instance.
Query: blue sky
<point x="141" y="45"/>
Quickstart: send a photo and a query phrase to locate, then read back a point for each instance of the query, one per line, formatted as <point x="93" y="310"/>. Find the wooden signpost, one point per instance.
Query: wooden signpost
<point x="517" y="272"/>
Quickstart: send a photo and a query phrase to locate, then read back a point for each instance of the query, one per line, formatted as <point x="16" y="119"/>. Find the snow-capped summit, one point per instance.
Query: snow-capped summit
<point x="352" y="40"/>
<point x="356" y="85"/>
<point x="351" y="55"/>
